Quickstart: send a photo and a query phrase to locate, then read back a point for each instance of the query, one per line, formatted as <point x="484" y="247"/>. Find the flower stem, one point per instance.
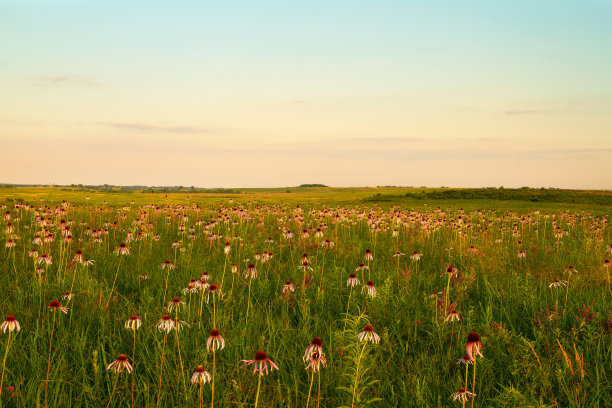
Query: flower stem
<point x="161" y="369"/>
<point x="49" y="359"/>
<point x="474" y="382"/>
<point x="4" y="361"/>
<point x="310" y="388"/>
<point x="212" y="399"/>
<point x="113" y="392"/>
<point x="357" y="374"/>
<point x="114" y="281"/>
<point x="258" y="387"/>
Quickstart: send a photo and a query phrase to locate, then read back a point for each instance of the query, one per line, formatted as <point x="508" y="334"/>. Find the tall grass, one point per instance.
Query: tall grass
<point x="538" y="351"/>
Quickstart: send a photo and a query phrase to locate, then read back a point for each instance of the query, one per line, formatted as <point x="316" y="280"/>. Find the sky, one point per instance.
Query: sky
<point x="281" y="93"/>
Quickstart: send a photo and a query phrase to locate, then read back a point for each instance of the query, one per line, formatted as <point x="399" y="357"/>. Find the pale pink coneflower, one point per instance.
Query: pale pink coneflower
<point x="175" y="305"/>
<point x="200" y="376"/>
<point x="78" y="257"/>
<point x="398" y="254"/>
<point x="316" y="361"/>
<point x="215" y="341"/>
<point x="120" y="364"/>
<point x="474" y="346"/>
<point x="415" y="256"/>
<point x="450" y="272"/>
<point x="143" y="276"/>
<point x="67" y="296"/>
<point x="10" y="324"/>
<point x="251" y="272"/>
<point x="352" y="281"/>
<point x="607" y="264"/>
<point x="557" y="283"/>
<point x="44" y="259"/>
<point x="361" y="267"/>
<point x="190" y="289"/>
<point x="167" y="264"/>
<point x="33" y="253"/>
<point x="10" y="244"/>
<point x="462" y="395"/>
<point x="368" y="335"/>
<point x="316" y="346"/>
<point x="452" y="316"/>
<point x="122" y="250"/>
<point x="261" y="363"/>
<point x="234" y="268"/>
<point x="370" y="289"/>
<point x="521" y="255"/>
<point x="465" y="360"/>
<point x="133" y="323"/>
<point x="176" y="244"/>
<point x="55" y="305"/>
<point x="166" y="324"/>
<point x="289" y="287"/>
<point x="87" y="262"/>
<point x="180" y="324"/>
<point x="368" y="255"/>
<point x="570" y="270"/>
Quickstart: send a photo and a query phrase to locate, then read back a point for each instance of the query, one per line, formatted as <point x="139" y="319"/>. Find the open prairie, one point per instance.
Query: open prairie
<point x="334" y="297"/>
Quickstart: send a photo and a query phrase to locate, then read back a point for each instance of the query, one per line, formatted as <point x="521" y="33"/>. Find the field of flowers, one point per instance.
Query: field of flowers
<point x="184" y="302"/>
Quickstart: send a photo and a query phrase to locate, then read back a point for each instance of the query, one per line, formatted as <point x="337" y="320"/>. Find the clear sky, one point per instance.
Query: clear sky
<point x="280" y="93"/>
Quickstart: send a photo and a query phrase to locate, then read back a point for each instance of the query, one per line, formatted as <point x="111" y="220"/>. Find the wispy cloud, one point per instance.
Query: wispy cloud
<point x="147" y="127"/>
<point x="528" y="111"/>
<point x="69" y="80"/>
<point x="388" y="139"/>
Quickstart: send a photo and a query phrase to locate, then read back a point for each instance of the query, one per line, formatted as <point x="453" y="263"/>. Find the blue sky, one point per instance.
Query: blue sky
<point x="276" y="93"/>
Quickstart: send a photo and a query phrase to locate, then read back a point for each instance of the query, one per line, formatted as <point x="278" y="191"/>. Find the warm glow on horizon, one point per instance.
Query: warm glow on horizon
<point x="250" y="94"/>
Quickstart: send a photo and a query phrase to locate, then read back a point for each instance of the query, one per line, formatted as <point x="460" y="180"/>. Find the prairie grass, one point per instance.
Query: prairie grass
<point x="539" y="351"/>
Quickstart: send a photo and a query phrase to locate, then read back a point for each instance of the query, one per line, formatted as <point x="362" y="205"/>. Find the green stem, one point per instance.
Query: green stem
<point x="357" y="374"/>
<point x="258" y="387"/>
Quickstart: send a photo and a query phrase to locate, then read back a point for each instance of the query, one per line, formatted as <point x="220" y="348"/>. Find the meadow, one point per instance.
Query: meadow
<point x="305" y="297"/>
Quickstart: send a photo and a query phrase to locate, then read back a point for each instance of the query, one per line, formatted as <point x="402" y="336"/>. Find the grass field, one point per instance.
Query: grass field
<point x="270" y="269"/>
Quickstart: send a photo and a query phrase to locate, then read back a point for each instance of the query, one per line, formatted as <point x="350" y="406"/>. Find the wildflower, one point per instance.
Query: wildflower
<point x="33" y="254"/>
<point x="120" y="364"/>
<point x="465" y="360"/>
<point x="368" y="335"/>
<point x="361" y="267"/>
<point x="133" y="323"/>
<point x="557" y="283"/>
<point x="261" y="363"/>
<point x="143" y="276"/>
<point x="68" y="296"/>
<point x="54" y="305"/>
<point x="462" y="395"/>
<point x="316" y="346"/>
<point x="607" y="264"/>
<point x="180" y="324"/>
<point x="44" y="259"/>
<point x="176" y="244"/>
<point x="234" y="268"/>
<point x="450" y="272"/>
<point x="368" y="255"/>
<point x="10" y="324"/>
<point x="228" y="247"/>
<point x="191" y="288"/>
<point x="453" y="316"/>
<point x="398" y="254"/>
<point x="215" y="341"/>
<point x="167" y="264"/>
<point x="474" y="346"/>
<point x="415" y="256"/>
<point x="175" y="304"/>
<point x="165" y="324"/>
<point x="289" y="287"/>
<point x="370" y="289"/>
<point x="352" y="281"/>
<point x="10" y="244"/>
<point x="250" y="272"/>
<point x="521" y="255"/>
<point x="316" y="361"/>
<point x="122" y="250"/>
<point x="570" y="270"/>
<point x="200" y="376"/>
<point x="305" y="265"/>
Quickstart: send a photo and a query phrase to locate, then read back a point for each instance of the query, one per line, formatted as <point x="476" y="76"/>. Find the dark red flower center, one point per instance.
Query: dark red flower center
<point x="317" y="342"/>
<point x="368" y="328"/>
<point x="261" y="355"/>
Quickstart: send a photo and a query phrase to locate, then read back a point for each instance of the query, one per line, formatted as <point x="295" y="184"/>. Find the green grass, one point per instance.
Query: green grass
<point x="524" y="325"/>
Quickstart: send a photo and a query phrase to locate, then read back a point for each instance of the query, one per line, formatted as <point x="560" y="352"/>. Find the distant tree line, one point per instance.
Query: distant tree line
<point x="505" y="194"/>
